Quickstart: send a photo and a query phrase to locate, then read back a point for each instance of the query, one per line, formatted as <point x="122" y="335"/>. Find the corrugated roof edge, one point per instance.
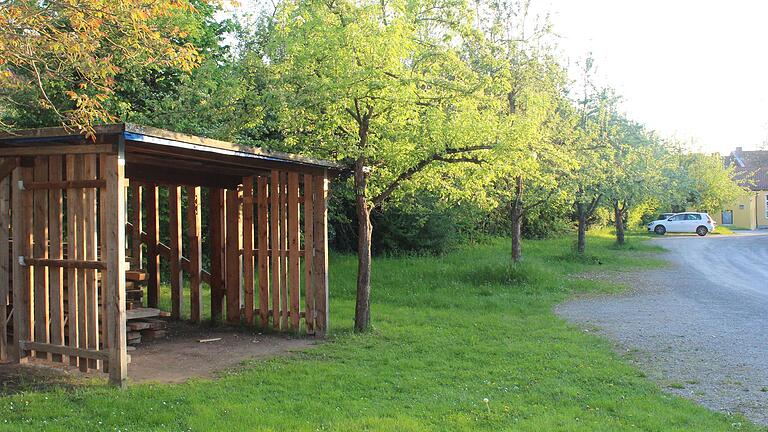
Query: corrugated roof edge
<point x="53" y="132"/>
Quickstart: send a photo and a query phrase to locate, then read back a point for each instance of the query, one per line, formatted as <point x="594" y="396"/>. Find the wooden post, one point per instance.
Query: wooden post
<point x="248" y="279"/>
<point x="115" y="260"/>
<point x="80" y="243"/>
<point x="263" y="229"/>
<point x="5" y="260"/>
<point x="283" y="250"/>
<point x="136" y="226"/>
<point x="320" y="279"/>
<point x="40" y="250"/>
<point x="73" y="220"/>
<point x="56" y="235"/>
<point x="174" y="231"/>
<point x="294" y="264"/>
<point x="91" y="245"/>
<point x="195" y="251"/>
<point x="22" y="242"/>
<point x="104" y="213"/>
<point x="153" y="238"/>
<point x="216" y="236"/>
<point x="232" y="278"/>
<point x="308" y="256"/>
<point x="274" y="241"/>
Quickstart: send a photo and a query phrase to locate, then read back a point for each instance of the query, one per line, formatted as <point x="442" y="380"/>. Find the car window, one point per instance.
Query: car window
<point x="678" y="217"/>
<point x="694" y="217"/>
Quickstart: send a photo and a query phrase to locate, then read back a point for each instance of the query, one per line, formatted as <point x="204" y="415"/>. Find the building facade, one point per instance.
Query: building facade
<point x="751" y="211"/>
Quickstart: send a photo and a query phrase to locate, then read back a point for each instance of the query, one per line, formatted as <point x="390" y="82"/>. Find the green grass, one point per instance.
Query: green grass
<point x="723" y="230"/>
<point x="450" y="332"/>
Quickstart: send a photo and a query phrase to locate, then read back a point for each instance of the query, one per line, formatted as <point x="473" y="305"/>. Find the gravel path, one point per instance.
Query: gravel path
<point x="698" y="327"/>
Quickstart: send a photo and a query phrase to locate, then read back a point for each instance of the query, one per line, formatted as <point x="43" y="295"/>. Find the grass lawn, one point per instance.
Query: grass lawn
<point x="450" y="333"/>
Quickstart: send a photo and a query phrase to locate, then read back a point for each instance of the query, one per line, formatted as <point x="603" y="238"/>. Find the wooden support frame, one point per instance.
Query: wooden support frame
<point x="153" y="238"/>
<point x="5" y="259"/>
<point x="22" y="245"/>
<point x="247" y="238"/>
<point x="216" y="240"/>
<point x="263" y="234"/>
<point x="232" y="256"/>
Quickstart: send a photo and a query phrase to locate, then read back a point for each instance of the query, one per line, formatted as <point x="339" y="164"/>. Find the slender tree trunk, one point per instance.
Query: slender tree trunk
<point x="618" y="215"/>
<point x="581" y="214"/>
<point x="516" y="214"/>
<point x="364" y="230"/>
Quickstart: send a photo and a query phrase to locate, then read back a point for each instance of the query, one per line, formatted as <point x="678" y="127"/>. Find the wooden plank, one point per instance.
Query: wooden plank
<point x="232" y="278"/>
<point x="103" y="215"/>
<point x="284" y="308"/>
<point x="72" y="289"/>
<point x="195" y="239"/>
<point x="216" y="236"/>
<point x="80" y="245"/>
<point x="115" y="280"/>
<point x="153" y="238"/>
<point x="56" y="236"/>
<point x="136" y="228"/>
<point x="263" y="230"/>
<point x="294" y="256"/>
<point x="141" y="313"/>
<point x="308" y="259"/>
<point x="56" y="150"/>
<point x="73" y="184"/>
<point x="65" y="263"/>
<point x="5" y="261"/>
<point x="248" y="264"/>
<point x="65" y="350"/>
<point x="22" y="245"/>
<point x="174" y="232"/>
<point x="320" y="276"/>
<point x="40" y="249"/>
<point x="274" y="193"/>
<point x="91" y="248"/>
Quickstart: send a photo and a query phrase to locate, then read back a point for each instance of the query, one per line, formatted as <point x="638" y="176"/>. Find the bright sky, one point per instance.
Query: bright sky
<point x="694" y="70"/>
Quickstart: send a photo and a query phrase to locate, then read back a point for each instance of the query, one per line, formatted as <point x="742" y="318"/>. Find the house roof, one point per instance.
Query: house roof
<point x="751" y="167"/>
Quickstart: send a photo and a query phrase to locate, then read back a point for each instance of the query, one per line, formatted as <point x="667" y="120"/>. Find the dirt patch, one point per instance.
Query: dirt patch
<point x="180" y="356"/>
<point x="175" y="358"/>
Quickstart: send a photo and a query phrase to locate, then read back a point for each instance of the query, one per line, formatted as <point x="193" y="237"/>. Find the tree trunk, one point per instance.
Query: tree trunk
<point x="618" y="214"/>
<point x="581" y="214"/>
<point x="364" y="229"/>
<point x="516" y="214"/>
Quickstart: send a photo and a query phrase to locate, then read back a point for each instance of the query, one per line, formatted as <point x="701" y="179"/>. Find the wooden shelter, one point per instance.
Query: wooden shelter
<point x="81" y="216"/>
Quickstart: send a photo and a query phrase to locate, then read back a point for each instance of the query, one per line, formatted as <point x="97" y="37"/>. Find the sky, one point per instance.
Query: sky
<point x="691" y="70"/>
<point x="695" y="71"/>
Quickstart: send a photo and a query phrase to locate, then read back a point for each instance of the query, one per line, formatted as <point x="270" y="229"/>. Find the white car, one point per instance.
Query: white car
<point x="688" y="222"/>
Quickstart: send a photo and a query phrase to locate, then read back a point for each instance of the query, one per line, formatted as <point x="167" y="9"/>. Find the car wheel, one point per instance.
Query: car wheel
<point x="660" y="230"/>
<point x="702" y="231"/>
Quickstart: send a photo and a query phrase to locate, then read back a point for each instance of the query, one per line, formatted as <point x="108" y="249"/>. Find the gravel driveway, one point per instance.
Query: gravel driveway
<point x="698" y="327"/>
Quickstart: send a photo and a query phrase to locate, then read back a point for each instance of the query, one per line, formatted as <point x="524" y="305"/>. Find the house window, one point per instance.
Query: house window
<point x="741" y="206"/>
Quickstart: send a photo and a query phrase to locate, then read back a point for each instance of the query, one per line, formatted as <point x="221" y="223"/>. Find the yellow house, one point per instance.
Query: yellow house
<point x="751" y="211"/>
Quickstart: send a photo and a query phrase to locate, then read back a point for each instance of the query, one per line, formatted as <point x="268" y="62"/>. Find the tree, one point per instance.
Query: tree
<point x="380" y="84"/>
<point x="59" y="59"/>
